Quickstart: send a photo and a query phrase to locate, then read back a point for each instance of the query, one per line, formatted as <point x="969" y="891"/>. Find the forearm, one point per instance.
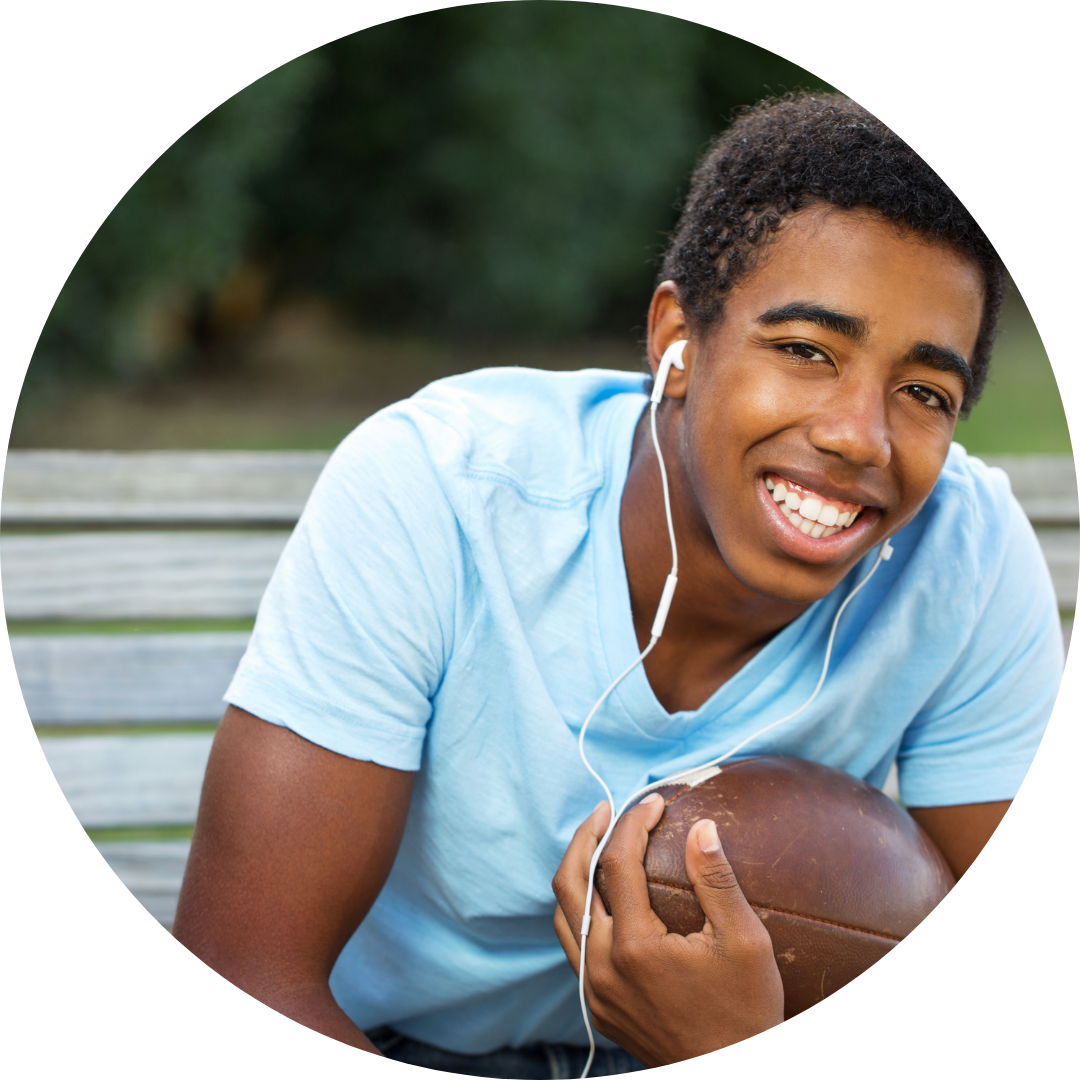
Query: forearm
<point x="312" y="1004"/>
<point x="291" y="847"/>
<point x="961" y="832"/>
<point x="284" y="984"/>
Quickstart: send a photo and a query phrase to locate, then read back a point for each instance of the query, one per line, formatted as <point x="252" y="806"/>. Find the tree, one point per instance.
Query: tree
<point x="505" y="168"/>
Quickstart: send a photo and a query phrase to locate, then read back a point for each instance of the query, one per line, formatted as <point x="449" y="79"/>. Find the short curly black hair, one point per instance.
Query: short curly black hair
<point x="785" y="154"/>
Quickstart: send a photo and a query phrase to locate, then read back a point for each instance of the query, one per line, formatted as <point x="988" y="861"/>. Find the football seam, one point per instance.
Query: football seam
<point x="686" y="787"/>
<point x="794" y="915"/>
<point x="827" y="922"/>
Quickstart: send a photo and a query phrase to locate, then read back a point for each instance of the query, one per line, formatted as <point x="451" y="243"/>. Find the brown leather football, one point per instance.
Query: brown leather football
<point x="836" y="871"/>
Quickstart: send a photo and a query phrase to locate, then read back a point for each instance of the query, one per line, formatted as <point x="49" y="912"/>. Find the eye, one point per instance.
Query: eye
<point x="932" y="399"/>
<point x="803" y="353"/>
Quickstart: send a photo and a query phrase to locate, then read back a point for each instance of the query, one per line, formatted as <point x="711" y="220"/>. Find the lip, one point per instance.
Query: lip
<point x="822" y="485"/>
<point x="826" y="549"/>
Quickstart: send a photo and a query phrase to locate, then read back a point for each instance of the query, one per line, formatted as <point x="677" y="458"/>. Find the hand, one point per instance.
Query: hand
<point x="664" y="997"/>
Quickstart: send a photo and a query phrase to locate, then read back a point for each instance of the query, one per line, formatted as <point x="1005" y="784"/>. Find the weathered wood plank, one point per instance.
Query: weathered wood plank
<point x="203" y="575"/>
<point x="1062" y="550"/>
<point x="126" y="678"/>
<point x="153" y="870"/>
<point x="137" y="575"/>
<point x="165" y="487"/>
<point x="113" y="781"/>
<point x="1044" y="484"/>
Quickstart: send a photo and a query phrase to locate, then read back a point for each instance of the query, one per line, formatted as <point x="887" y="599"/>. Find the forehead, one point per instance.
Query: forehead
<point x="905" y="287"/>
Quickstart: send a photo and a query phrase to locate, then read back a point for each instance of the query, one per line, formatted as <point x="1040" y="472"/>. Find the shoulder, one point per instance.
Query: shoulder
<point x="973" y="526"/>
<point x="546" y="435"/>
<point x="973" y="502"/>
<point x="542" y="432"/>
<point x="980" y="486"/>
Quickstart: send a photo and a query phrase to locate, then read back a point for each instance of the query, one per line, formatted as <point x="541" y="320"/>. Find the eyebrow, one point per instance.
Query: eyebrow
<point x="851" y="326"/>
<point x="947" y="361"/>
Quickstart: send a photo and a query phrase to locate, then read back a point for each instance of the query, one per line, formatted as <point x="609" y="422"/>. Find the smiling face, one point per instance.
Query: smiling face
<point x="817" y="414"/>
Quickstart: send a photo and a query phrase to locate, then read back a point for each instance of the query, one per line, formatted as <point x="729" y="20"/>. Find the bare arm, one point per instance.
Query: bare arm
<point x="291" y="847"/>
<point x="960" y="832"/>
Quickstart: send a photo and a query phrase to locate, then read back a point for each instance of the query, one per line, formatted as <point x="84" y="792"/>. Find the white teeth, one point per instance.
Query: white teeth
<point x="811" y="514"/>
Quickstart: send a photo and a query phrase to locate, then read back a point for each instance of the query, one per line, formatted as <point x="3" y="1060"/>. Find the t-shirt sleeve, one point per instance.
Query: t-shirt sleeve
<point x="356" y="626"/>
<point x="976" y="737"/>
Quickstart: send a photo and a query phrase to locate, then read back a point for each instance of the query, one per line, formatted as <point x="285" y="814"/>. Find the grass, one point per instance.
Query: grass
<point x="196" y="727"/>
<point x="132" y="833"/>
<point x="1020" y="411"/>
<point x="307" y="381"/>
<point x="304" y="384"/>
<point x="173" y="626"/>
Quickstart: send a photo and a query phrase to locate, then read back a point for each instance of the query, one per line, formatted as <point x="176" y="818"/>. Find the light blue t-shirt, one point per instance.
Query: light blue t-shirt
<point x="454" y="600"/>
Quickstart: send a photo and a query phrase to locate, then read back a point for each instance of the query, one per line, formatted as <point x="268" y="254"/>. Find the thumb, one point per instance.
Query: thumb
<point x="726" y="908"/>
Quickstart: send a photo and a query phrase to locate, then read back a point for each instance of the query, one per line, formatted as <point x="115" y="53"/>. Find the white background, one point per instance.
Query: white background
<point x="92" y="93"/>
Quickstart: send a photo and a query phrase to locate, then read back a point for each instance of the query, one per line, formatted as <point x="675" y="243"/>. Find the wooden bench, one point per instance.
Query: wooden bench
<point x="130" y="582"/>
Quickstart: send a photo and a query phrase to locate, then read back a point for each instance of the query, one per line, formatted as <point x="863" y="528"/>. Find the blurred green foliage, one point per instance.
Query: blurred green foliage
<point x="505" y="169"/>
<point x="133" y="300"/>
<point x="1020" y="411"/>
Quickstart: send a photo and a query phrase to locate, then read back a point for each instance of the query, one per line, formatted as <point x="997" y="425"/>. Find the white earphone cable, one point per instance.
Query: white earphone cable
<point x="884" y="554"/>
<point x="661" y="615"/>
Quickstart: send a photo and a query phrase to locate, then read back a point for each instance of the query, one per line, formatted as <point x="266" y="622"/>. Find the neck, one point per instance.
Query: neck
<point x="716" y="623"/>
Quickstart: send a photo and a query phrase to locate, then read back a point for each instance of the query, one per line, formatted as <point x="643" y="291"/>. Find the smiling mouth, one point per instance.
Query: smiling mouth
<point x="812" y="514"/>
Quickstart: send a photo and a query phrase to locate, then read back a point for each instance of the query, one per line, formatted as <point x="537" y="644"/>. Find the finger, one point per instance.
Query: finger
<point x="624" y="871"/>
<point x="568" y="939"/>
<point x="571" y="880"/>
<point x="715" y="885"/>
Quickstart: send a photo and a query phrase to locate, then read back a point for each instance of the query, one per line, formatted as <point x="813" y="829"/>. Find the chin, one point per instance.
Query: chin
<point x="790" y="584"/>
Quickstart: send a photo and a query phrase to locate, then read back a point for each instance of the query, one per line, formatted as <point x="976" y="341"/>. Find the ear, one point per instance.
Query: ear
<point x="667" y="324"/>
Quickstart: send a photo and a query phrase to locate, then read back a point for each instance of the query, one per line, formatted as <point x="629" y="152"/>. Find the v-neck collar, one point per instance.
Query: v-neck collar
<point x="634" y="702"/>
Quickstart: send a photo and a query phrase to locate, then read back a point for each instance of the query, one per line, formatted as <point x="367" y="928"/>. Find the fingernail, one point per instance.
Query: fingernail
<point x="650" y="799"/>
<point x="708" y="839"/>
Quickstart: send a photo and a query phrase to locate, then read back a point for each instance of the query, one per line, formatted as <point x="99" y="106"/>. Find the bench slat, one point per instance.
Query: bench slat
<point x="153" y="870"/>
<point x="174" y="487"/>
<point x="202" y="575"/>
<point x="1044" y="484"/>
<point x="126" y="678"/>
<point x="137" y="575"/>
<point x="1061" y="547"/>
<point x="113" y="781"/>
<point x="162" y="487"/>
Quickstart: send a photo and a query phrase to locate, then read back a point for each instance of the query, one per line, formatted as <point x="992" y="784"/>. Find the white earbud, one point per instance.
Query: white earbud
<point x="672" y="356"/>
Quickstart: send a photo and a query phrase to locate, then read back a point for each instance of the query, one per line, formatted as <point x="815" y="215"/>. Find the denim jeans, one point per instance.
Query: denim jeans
<point x="541" y="1061"/>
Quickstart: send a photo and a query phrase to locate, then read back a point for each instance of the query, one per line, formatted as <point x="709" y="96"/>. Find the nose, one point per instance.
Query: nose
<point x="853" y="426"/>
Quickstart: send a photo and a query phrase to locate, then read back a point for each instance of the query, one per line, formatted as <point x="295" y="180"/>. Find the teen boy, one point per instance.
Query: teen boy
<point x="397" y="778"/>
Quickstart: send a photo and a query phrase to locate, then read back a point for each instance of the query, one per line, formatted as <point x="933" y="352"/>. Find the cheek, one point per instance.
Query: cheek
<point x="735" y="406"/>
<point x="719" y="431"/>
<point x="732" y="411"/>
<point x="920" y="445"/>
<point x="918" y="467"/>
